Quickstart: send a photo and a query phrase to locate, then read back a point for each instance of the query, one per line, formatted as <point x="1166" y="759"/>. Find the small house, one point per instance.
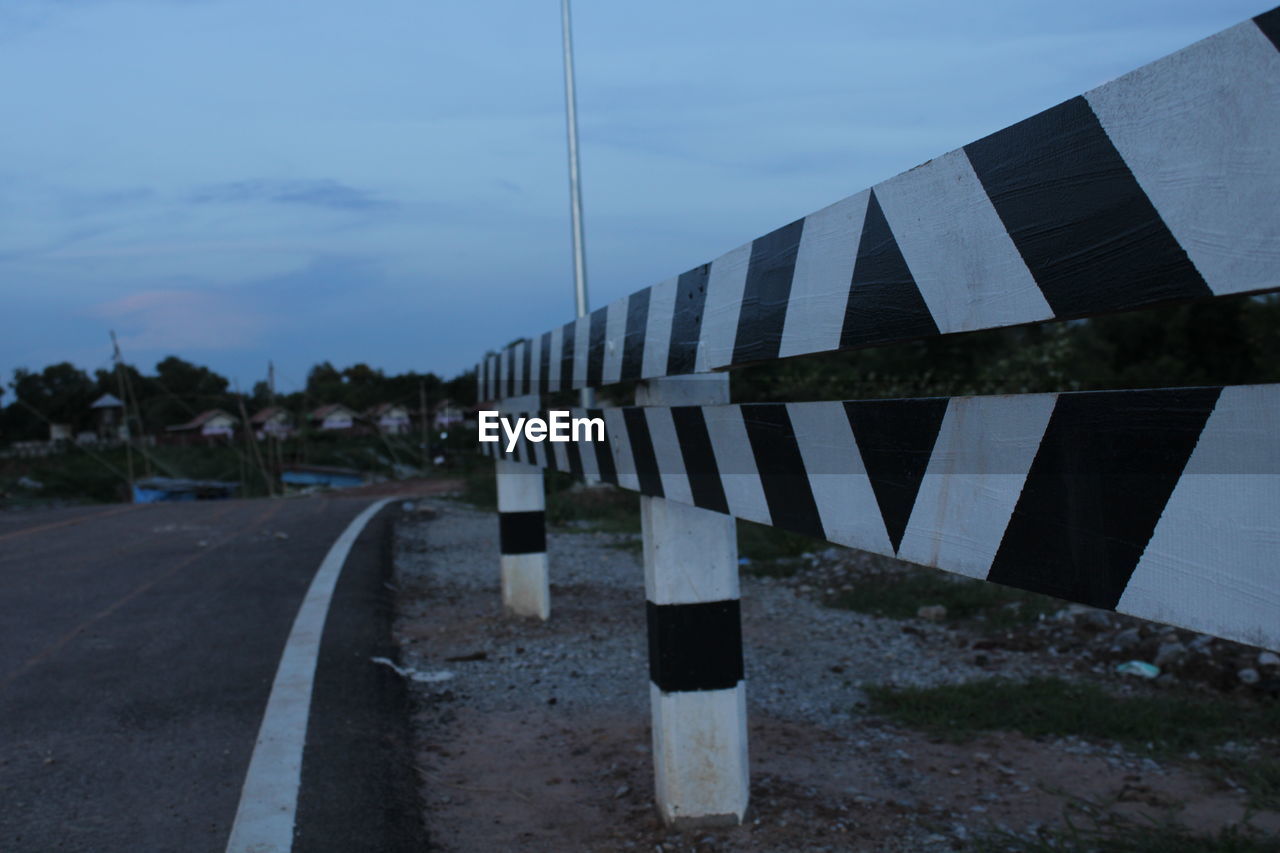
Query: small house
<point x="389" y="418"/>
<point x="448" y="415"/>
<point x="209" y="426"/>
<point x="334" y="416"/>
<point x="109" y="412"/>
<point x="273" y="421"/>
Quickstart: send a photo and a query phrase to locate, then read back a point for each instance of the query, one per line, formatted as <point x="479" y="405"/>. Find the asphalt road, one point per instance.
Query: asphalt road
<point x="138" y="645"/>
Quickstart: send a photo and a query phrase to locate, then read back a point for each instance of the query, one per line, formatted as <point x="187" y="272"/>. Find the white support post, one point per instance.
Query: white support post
<point x="697" y="692"/>
<point x="522" y="529"/>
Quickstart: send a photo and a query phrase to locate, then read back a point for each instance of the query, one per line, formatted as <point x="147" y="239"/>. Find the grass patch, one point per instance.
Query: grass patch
<point x="1156" y="724"/>
<point x="1097" y="830"/>
<point x="600" y="508"/>
<point x="761" y="542"/>
<point x="772" y="552"/>
<point x="900" y="593"/>
<point x="1259" y="776"/>
<point x="1164" y="726"/>
<point x="480" y="486"/>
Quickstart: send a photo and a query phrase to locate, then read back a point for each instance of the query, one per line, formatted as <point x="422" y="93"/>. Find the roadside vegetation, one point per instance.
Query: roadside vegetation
<point x="1160" y="724"/>
<point x="176" y="391"/>
<point x="100" y="475"/>
<point x="1091" y="827"/>
<point x="900" y="592"/>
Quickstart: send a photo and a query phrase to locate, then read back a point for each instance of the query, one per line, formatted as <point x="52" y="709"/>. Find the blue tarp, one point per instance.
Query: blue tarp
<point x="333" y="479"/>
<point x="158" y="489"/>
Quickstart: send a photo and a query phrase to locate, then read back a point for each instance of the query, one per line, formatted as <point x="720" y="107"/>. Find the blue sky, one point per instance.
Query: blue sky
<point x="237" y="181"/>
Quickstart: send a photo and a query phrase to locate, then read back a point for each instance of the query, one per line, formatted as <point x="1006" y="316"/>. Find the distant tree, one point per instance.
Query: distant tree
<point x="1212" y="342"/>
<point x="403" y="388"/>
<point x="180" y="389"/>
<point x="260" y="398"/>
<point x="461" y="389"/>
<point x="183" y="389"/>
<point x="363" y="386"/>
<point x="324" y="385"/>
<point x="61" y="393"/>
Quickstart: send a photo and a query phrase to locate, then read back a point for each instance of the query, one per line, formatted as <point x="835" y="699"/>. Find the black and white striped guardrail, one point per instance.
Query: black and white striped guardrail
<point x="1160" y="503"/>
<point x="1157" y="186"/>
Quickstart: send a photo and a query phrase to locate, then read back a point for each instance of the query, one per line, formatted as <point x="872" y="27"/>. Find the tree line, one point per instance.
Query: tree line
<point x="178" y="390"/>
<point x="1213" y="342"/>
<point x="1233" y="341"/>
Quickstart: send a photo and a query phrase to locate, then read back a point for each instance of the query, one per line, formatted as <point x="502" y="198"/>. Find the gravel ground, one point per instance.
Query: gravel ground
<point x="534" y="736"/>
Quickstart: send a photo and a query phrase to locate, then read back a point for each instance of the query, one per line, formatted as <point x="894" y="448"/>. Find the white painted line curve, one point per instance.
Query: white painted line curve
<point x="264" y="821"/>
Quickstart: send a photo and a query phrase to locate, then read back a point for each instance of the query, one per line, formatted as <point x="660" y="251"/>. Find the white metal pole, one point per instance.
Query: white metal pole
<point x="575" y="188"/>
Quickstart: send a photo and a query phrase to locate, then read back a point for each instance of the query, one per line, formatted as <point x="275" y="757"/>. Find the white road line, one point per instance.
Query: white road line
<point x="269" y="800"/>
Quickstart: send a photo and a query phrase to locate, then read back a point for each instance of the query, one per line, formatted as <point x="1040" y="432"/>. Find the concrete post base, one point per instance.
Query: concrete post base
<point x="526" y="587"/>
<point x="701" y="777"/>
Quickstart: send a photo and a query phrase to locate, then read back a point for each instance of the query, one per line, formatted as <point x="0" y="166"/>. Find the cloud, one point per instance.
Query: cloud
<point x="79" y="204"/>
<point x="324" y="193"/>
<point x="182" y="320"/>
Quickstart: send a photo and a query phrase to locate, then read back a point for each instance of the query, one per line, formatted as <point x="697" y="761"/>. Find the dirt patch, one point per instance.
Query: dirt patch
<point x="535" y="737"/>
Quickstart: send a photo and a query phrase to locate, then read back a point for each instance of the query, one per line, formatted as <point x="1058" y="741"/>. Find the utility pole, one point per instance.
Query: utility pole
<point x="575" y="189"/>
<point x="425" y="438"/>
<point x="275" y="449"/>
<point x="124" y="399"/>
<point x="137" y="409"/>
<point x="252" y="441"/>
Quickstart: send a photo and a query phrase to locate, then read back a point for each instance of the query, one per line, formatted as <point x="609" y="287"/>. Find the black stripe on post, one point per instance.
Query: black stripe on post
<point x="604" y="451"/>
<point x="544" y="365"/>
<point x="568" y="339"/>
<point x="1105" y="469"/>
<point x="766" y="293"/>
<point x="686" y="320"/>
<point x="1086" y="230"/>
<point x="633" y="342"/>
<point x="782" y="474"/>
<point x="642" y="452"/>
<point x="699" y="458"/>
<point x="595" y="347"/>
<point x="695" y="646"/>
<point x="522" y="532"/>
